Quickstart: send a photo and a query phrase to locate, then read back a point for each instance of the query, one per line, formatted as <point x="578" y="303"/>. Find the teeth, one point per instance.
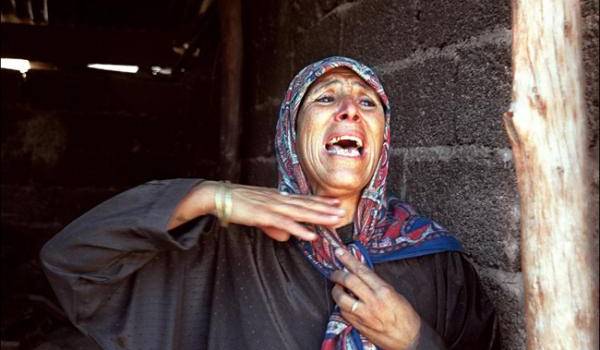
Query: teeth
<point x="345" y="152"/>
<point x="346" y="137"/>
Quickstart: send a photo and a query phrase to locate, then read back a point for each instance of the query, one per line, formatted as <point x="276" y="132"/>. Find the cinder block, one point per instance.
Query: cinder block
<point x="473" y="194"/>
<point x="451" y="98"/>
<point x="506" y="291"/>
<point x="589" y="7"/>
<point x="423" y="98"/>
<point x="378" y="31"/>
<point x="439" y="23"/>
<point x="267" y="73"/>
<point x="321" y="40"/>
<point x="396" y="180"/>
<point x="383" y="31"/>
<point x="267" y="65"/>
<point x="590" y="68"/>
<point x="260" y="172"/>
<point x="259" y="130"/>
<point x="483" y="94"/>
<point x="305" y="14"/>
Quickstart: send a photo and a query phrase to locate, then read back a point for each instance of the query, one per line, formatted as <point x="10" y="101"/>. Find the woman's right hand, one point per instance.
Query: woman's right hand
<point x="278" y="215"/>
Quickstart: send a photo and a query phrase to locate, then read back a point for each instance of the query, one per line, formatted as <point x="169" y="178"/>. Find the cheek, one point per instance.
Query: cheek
<point x="377" y="133"/>
<point x="305" y="139"/>
<point x="300" y="131"/>
<point x="377" y="139"/>
<point x="308" y="131"/>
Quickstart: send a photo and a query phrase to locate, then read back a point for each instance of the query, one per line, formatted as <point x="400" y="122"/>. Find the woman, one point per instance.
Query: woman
<point x="151" y="269"/>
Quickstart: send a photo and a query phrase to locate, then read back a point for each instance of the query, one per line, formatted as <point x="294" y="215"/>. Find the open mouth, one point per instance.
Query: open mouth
<point x="345" y="146"/>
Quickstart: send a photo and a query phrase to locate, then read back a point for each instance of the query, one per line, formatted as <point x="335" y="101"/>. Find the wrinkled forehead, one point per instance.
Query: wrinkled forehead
<point x="339" y="74"/>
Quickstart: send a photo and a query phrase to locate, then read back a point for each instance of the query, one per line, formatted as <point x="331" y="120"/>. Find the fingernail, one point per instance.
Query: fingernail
<point x="311" y="236"/>
<point x="341" y="212"/>
<point x="339" y="252"/>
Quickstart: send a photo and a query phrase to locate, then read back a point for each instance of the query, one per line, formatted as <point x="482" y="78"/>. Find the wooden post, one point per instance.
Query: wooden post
<point x="230" y="19"/>
<point x="547" y="130"/>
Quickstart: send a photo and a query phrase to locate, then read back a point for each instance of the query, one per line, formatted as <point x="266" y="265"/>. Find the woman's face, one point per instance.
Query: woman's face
<point x="340" y="133"/>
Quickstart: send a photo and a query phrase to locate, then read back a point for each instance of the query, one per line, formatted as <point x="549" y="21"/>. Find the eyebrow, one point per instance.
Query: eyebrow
<point x="337" y="81"/>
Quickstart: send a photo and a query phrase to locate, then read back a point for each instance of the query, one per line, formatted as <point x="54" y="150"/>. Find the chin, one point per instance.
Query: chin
<point x="340" y="183"/>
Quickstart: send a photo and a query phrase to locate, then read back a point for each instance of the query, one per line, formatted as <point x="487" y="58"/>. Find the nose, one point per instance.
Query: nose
<point x="348" y="111"/>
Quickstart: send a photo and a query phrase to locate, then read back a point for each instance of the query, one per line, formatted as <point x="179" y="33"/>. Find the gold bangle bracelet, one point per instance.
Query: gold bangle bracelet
<point x="223" y="203"/>
<point x="218" y="202"/>
<point x="227" y="205"/>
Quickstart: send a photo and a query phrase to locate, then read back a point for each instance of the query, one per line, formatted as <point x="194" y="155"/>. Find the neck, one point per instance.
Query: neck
<point x="349" y="205"/>
<point x="348" y="202"/>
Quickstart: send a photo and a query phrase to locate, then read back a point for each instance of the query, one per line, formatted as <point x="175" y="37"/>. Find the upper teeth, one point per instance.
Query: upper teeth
<point x="346" y="137"/>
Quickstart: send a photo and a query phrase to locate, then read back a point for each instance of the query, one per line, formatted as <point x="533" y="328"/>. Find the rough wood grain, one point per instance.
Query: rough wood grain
<point x="547" y="130"/>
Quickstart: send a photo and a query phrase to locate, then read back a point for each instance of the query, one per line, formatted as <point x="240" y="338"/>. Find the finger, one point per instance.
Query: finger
<point x="319" y="199"/>
<point x="354" y="284"/>
<point x="361" y="325"/>
<point x="315" y="205"/>
<point x="276" y="234"/>
<point x="271" y="191"/>
<point x="285" y="224"/>
<point x="360" y="310"/>
<point x="359" y="269"/>
<point x="344" y="300"/>
<point x="267" y="196"/>
<point x="310" y="216"/>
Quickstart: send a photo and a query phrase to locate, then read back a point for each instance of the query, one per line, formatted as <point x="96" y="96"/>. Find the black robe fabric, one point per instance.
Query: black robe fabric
<point x="128" y="283"/>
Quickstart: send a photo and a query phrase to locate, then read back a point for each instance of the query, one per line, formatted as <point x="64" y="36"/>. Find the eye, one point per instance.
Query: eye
<point x="325" y="99"/>
<point x="367" y="102"/>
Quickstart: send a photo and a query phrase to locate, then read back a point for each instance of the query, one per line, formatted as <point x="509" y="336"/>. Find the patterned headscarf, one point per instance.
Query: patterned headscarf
<point x="385" y="228"/>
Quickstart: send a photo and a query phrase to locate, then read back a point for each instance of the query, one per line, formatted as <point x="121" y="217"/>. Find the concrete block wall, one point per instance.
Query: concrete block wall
<point x="446" y="66"/>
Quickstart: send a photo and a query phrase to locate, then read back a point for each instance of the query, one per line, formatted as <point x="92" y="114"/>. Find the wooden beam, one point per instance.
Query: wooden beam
<point x="76" y="45"/>
<point x="230" y="18"/>
<point x="548" y="133"/>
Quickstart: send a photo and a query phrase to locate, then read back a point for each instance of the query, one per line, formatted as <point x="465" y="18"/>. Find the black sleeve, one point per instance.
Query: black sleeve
<point x="113" y="240"/>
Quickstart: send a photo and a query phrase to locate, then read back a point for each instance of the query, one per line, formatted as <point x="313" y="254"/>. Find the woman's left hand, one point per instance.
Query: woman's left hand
<point x="374" y="308"/>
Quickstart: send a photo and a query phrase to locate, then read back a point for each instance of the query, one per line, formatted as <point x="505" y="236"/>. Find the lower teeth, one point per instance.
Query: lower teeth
<point x="353" y="152"/>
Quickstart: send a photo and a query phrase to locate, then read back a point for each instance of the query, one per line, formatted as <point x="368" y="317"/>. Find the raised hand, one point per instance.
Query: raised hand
<point x="278" y="215"/>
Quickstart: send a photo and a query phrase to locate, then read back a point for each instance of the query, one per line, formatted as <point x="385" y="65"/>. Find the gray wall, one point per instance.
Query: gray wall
<point x="446" y="66"/>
